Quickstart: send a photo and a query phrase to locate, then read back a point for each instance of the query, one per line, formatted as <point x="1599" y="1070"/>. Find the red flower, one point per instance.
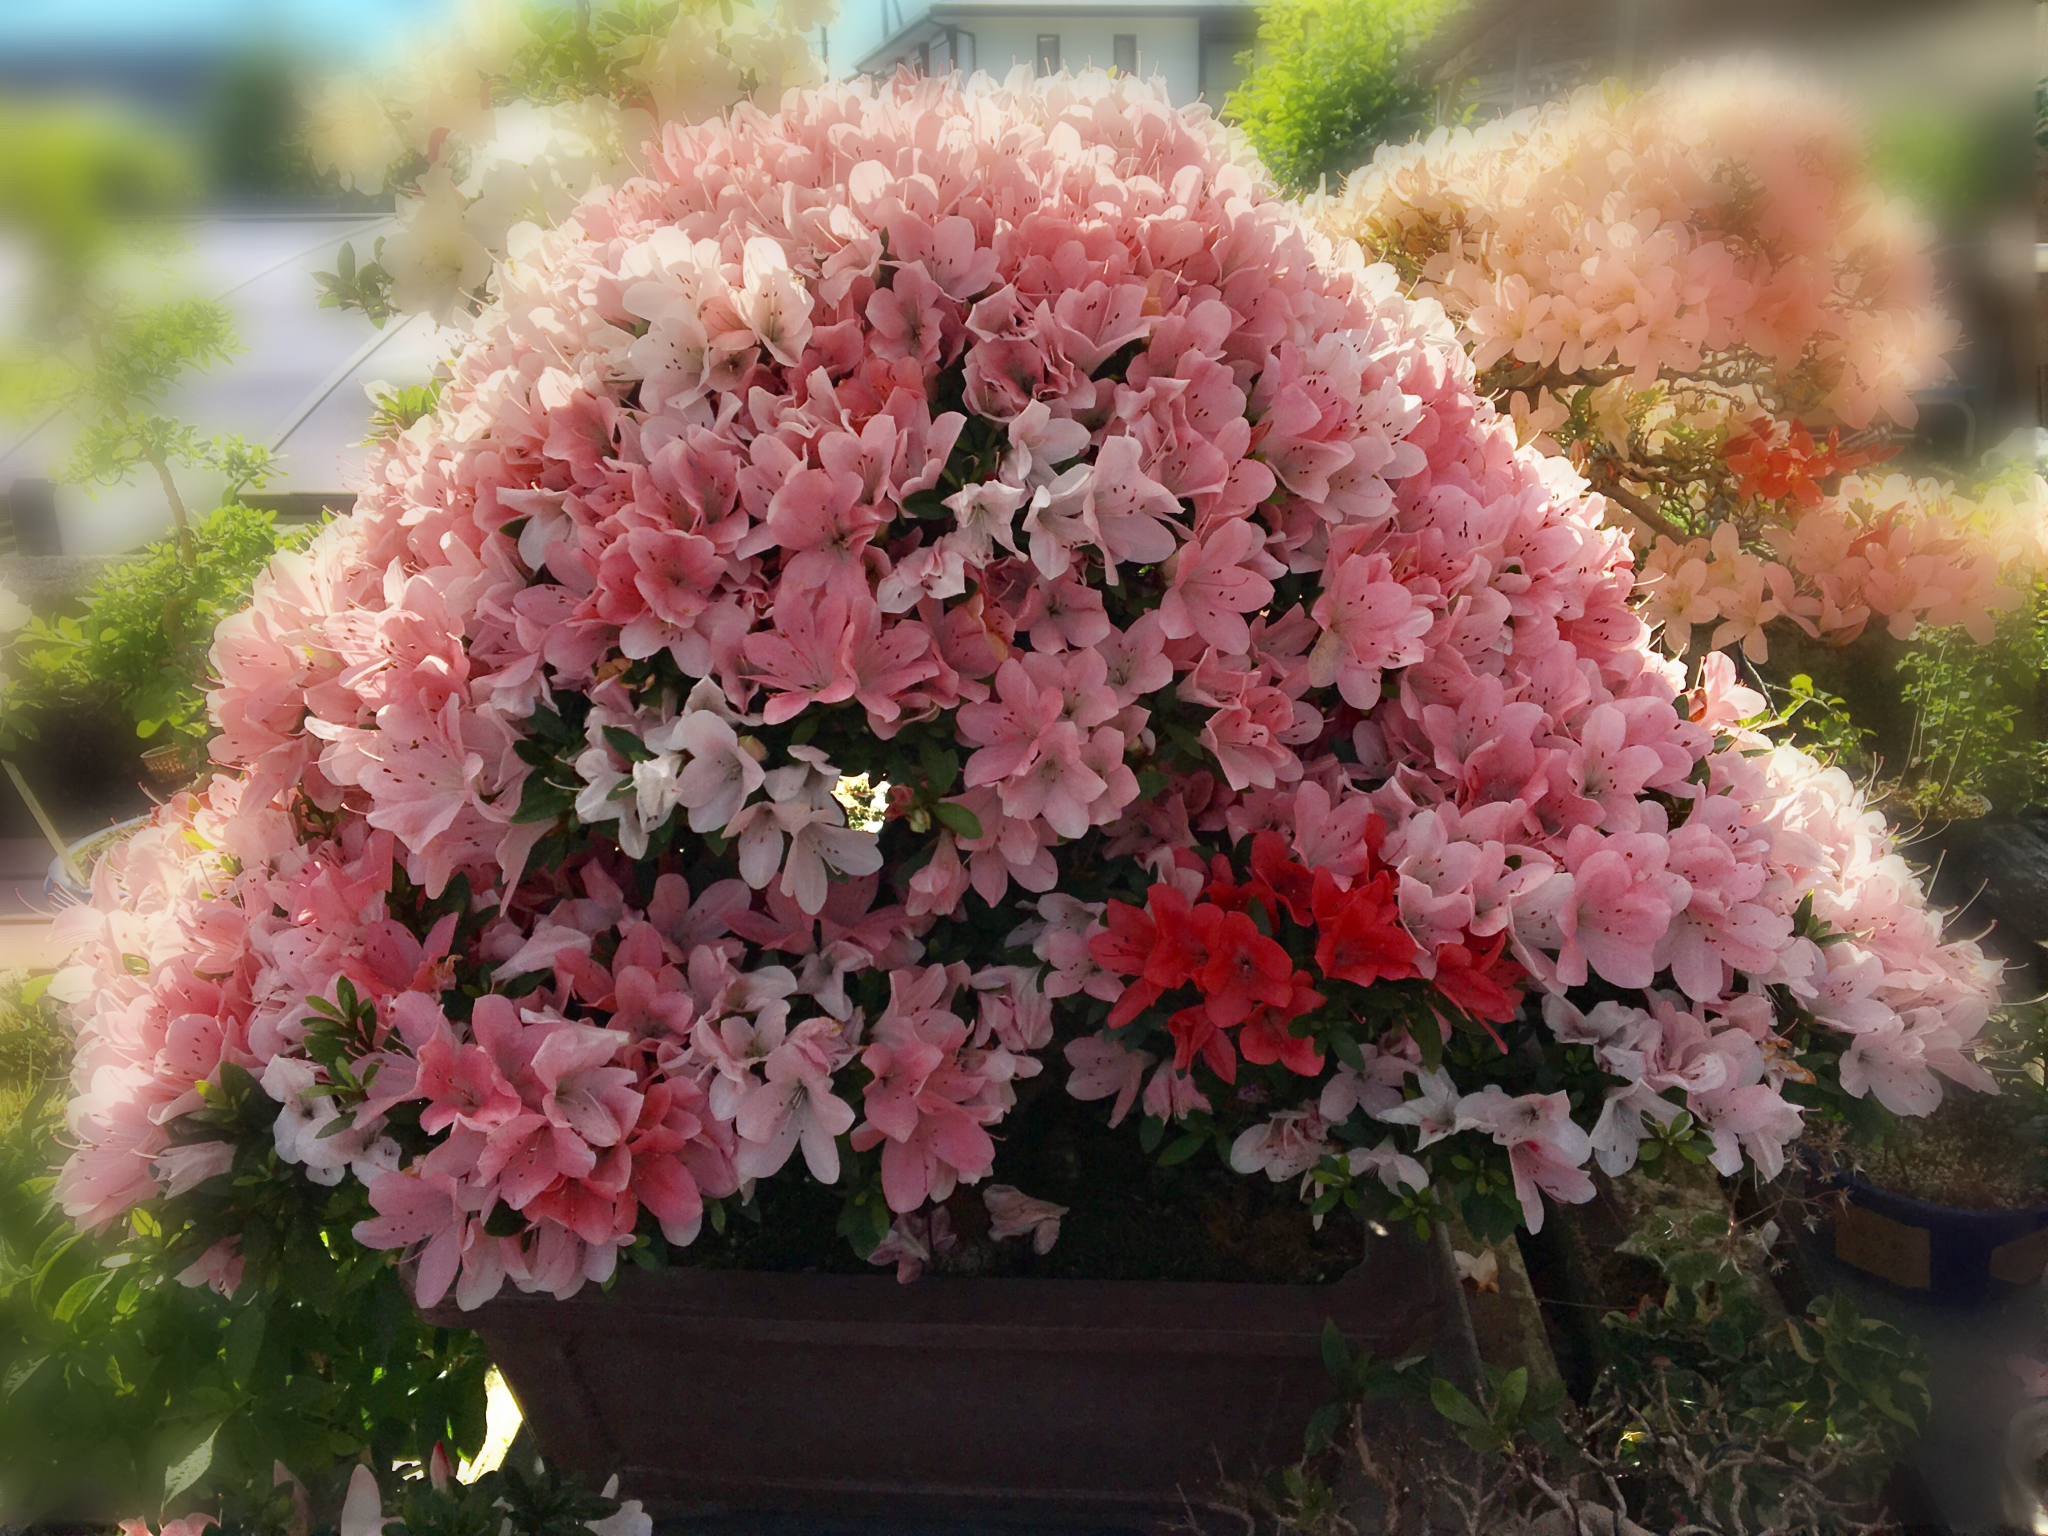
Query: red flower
<point x="1792" y="470"/>
<point x="1279" y="881"/>
<point x="1196" y="1034"/>
<point x="1135" y="998"/>
<point x="1244" y="967"/>
<point x="1128" y="944"/>
<point x="1124" y="951"/>
<point x="1361" y="939"/>
<point x="1481" y="981"/>
<point x="1266" y="1037"/>
<point x="1180" y="950"/>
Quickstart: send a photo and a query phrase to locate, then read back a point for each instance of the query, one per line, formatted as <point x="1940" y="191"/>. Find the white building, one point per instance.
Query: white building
<point x="1193" y="44"/>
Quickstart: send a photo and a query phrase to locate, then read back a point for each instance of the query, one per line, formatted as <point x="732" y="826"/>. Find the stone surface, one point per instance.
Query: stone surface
<point x="49" y="582"/>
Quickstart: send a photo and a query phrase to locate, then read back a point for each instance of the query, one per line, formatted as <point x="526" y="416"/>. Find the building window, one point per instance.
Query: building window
<point x="1048" y="53"/>
<point x="1126" y="51"/>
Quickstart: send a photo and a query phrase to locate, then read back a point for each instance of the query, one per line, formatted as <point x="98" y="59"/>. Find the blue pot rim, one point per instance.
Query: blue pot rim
<point x="1925" y="1213"/>
<point x="56" y="880"/>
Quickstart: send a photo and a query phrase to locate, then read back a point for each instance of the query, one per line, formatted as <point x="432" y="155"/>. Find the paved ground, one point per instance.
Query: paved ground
<point x="24" y="910"/>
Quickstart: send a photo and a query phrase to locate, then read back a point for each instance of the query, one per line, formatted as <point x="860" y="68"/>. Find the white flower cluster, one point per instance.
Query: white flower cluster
<point x="493" y="165"/>
<point x="696" y="761"/>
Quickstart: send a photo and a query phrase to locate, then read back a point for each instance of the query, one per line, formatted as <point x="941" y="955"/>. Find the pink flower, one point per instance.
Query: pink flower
<point x="1546" y="1150"/>
<point x="1609" y="912"/>
<point x="1370" y="623"/>
<point x="796" y="1106"/>
<point x="418" y="1210"/>
<point x="806" y="658"/>
<point x="1012" y="1213"/>
<point x="923" y="1107"/>
<point x="1212" y="588"/>
<point x="1278" y="558"/>
<point x="913" y="1241"/>
<point x="1890" y="1062"/>
<point x="1103" y="1069"/>
<point x="219" y="1269"/>
<point x="1111" y="505"/>
<point x="655" y="582"/>
<point x="462" y="1087"/>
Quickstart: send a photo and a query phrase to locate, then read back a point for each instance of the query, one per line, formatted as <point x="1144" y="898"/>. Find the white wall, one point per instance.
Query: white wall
<point x="1169" y="42"/>
<point x="1168" y="45"/>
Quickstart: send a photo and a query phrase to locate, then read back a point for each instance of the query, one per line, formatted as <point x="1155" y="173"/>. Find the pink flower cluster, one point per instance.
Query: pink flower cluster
<point x="1895" y="551"/>
<point x="1726" y="209"/>
<point x="1016" y="447"/>
<point x="1695" y="254"/>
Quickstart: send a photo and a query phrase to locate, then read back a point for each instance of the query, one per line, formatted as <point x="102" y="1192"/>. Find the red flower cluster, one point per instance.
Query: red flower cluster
<point x="1792" y="470"/>
<point x="1246" y="972"/>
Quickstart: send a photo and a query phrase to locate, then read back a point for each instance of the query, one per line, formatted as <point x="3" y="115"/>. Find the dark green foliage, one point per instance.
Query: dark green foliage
<point x="1780" y="1413"/>
<point x="121" y="1389"/>
<point x="148" y="624"/>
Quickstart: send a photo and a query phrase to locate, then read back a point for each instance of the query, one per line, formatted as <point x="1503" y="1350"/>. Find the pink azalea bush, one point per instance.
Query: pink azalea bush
<point x="1260" y="725"/>
<point x="1694" y="291"/>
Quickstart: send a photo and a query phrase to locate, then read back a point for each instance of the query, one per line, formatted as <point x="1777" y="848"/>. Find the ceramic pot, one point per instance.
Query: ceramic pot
<point x="711" y="1390"/>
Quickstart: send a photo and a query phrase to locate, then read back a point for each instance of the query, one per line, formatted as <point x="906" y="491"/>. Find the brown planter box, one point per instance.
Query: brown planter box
<point x="711" y="1390"/>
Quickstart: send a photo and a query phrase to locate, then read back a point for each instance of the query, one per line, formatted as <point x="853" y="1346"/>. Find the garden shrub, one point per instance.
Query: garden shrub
<point x="1330" y="80"/>
<point x="143" y="637"/>
<point x="128" y="1379"/>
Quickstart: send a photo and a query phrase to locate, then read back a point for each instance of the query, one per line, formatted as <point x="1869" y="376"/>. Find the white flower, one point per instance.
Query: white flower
<point x="349" y="129"/>
<point x="596" y="802"/>
<point x="1434" y="1111"/>
<point x="985" y="515"/>
<point x="772" y="300"/>
<point x="434" y="260"/>
<point x="687" y="75"/>
<point x="719" y="774"/>
<point x="822" y="847"/>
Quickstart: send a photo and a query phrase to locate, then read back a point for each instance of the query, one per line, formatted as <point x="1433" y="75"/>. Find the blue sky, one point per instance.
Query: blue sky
<point x="367" y="28"/>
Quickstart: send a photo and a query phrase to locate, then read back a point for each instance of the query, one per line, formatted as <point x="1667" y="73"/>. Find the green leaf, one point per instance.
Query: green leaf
<point x="79" y="1293"/>
<point x="940" y="767"/>
<point x="1514" y="1389"/>
<point x="1455" y="1405"/>
<point x="1183" y="1148"/>
<point x="627" y="745"/>
<point x="958" y="819"/>
<point x="1322" y="1426"/>
<point x="189" y="1468"/>
<point x="20" y="1374"/>
<point x="244" y="1340"/>
<point x="1151" y="1131"/>
<point x="1336" y="1355"/>
<point x="542" y="801"/>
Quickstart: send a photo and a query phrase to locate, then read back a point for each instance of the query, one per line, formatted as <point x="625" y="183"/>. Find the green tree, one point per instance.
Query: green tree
<point x="1330" y="80"/>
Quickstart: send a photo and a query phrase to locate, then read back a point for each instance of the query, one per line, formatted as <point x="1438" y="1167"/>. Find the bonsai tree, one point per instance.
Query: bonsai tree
<point x="105" y="347"/>
<point x="1274" y="759"/>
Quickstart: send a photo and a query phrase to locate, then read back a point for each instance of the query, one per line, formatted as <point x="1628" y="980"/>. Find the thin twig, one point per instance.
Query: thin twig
<point x="1642" y="511"/>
